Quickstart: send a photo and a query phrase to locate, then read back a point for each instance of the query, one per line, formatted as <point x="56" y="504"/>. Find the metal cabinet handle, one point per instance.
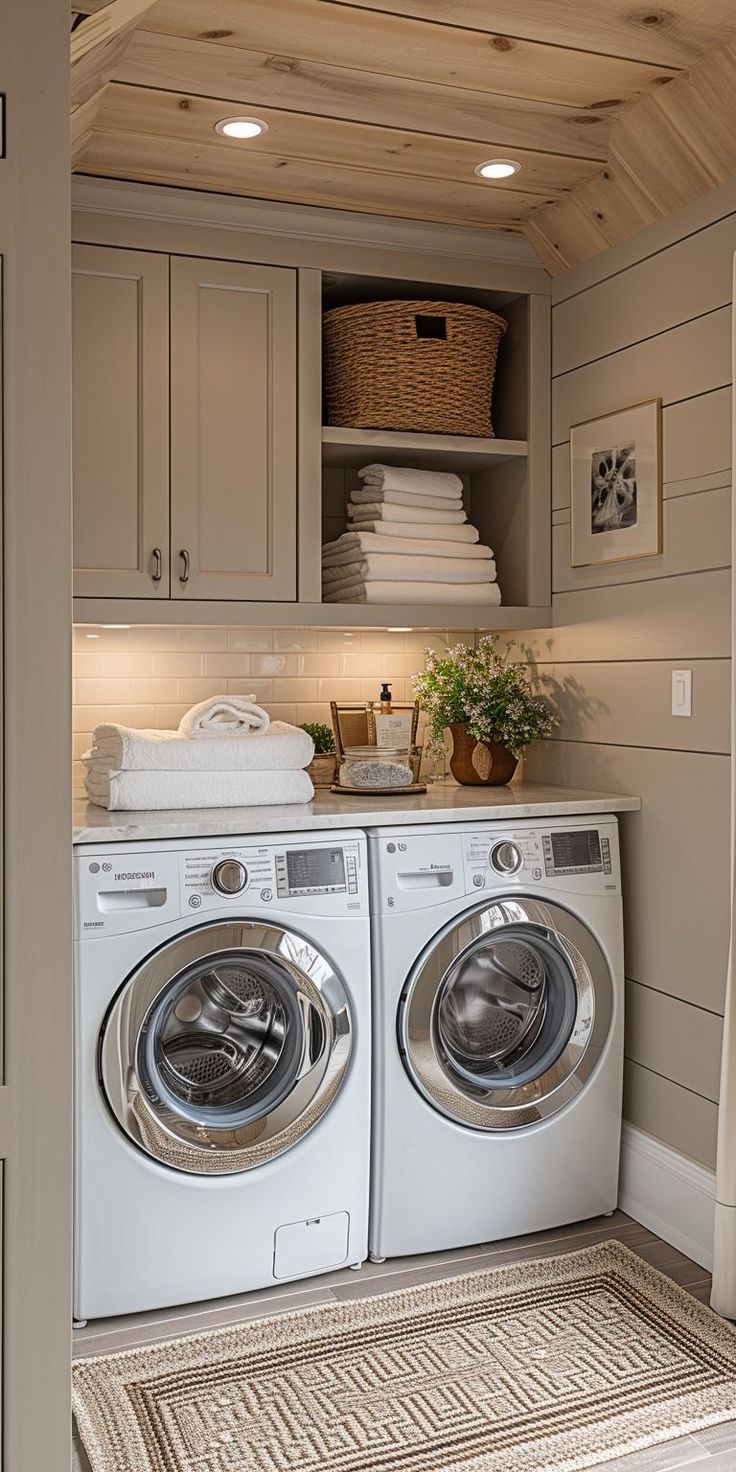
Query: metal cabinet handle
<point x="184" y="574"/>
<point x="158" y="564"/>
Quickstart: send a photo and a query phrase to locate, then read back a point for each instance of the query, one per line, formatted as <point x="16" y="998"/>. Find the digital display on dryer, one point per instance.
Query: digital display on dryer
<point x="302" y="871"/>
<point x="578" y="851"/>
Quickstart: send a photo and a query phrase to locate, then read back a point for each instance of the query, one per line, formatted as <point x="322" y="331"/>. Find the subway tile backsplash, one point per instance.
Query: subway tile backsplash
<point x="149" y="676"/>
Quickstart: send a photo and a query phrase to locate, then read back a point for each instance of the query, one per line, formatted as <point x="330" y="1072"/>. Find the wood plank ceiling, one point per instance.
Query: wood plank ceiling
<point x="388" y="106"/>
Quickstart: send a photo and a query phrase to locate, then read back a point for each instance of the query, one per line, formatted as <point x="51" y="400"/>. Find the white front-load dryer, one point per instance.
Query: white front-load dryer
<point x="222" y="1067"/>
<point x="498" y="1030"/>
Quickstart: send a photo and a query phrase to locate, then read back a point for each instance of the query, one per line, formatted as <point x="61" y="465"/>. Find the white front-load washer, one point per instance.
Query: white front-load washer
<point x="222" y="1067"/>
<point x="498" y="1030"/>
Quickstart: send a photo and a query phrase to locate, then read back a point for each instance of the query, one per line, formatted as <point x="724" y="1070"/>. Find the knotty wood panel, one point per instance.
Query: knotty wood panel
<point x="670" y="37"/>
<point x="361" y="147"/>
<point x="454" y="110"/>
<point x="402" y="47"/>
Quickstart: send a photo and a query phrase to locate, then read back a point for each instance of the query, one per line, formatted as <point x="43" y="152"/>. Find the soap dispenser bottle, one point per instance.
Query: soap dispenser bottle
<point x="393" y="728"/>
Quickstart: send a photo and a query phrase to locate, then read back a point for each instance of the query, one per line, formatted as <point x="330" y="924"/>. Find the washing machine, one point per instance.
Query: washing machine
<point x="498" y="1030"/>
<point x="222" y="1067"/>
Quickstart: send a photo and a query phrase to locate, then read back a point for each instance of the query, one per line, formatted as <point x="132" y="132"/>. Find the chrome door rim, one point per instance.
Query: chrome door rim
<point x="526" y="1104"/>
<point x="154" y="1123"/>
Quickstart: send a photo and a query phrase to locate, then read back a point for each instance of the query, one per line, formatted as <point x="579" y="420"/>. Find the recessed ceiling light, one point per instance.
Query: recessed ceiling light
<point x="241" y="127"/>
<point x="498" y="168"/>
<point x="400" y="629"/>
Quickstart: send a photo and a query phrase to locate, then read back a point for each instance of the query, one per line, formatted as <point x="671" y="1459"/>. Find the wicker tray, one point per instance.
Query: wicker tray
<point x="412" y="788"/>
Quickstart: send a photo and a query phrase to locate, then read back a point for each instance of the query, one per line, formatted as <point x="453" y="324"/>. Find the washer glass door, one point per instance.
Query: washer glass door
<point x="505" y="1016"/>
<point x="225" y="1047"/>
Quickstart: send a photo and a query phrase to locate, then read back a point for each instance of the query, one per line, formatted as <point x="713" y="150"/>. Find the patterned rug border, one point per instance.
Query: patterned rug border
<point x="102" y="1384"/>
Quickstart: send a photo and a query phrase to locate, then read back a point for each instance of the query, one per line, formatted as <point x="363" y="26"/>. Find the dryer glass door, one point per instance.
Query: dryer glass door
<point x="504" y="1017"/>
<point x="226" y="1047"/>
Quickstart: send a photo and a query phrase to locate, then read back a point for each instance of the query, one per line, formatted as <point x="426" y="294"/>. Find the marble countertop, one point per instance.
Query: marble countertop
<point x="443" y="802"/>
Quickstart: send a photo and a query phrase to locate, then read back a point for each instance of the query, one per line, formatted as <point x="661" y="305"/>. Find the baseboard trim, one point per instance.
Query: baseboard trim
<point x="669" y="1193"/>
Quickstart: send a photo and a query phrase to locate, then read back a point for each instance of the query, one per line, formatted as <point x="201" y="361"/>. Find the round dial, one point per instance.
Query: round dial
<point x="229" y="876"/>
<point x="505" y="857"/>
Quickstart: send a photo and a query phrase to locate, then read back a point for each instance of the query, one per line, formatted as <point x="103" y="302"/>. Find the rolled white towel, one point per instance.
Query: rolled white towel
<point x="353" y="544"/>
<point x="372" y="494"/>
<point x="417" y="482"/>
<point x="417" y="515"/>
<point x="439" y="532"/>
<point x="145" y="791"/>
<point x="379" y="565"/>
<point x="416" y="593"/>
<point x="224" y="715"/>
<point x="279" y="748"/>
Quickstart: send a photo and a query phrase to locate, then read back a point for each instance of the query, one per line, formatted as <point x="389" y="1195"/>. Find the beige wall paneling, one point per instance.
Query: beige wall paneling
<point x="671" y="1113"/>
<point x="233" y="431"/>
<point x="671" y="287"/>
<point x="691" y="359"/>
<point x="680" y="1041"/>
<point x="309" y="404"/>
<point x="696" y="534"/>
<point x="120" y="343"/>
<point x="35" y="1086"/>
<point x="678" y="618"/>
<point x="675" y="858"/>
<point x="629" y="703"/>
<point x="696" y="448"/>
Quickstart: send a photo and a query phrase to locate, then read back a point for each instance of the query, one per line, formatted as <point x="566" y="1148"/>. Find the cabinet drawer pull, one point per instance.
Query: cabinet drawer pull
<point x="158" y="564"/>
<point x="184" y="574"/>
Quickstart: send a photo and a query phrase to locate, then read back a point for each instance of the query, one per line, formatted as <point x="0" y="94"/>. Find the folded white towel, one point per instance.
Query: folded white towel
<point x="224" y="715"/>
<point x="417" y="482"/>
<point x="373" y="494"/>
<point x="418" y="516"/>
<point x="416" y="593"/>
<point x="353" y="544"/>
<point x="379" y="565"/>
<point x="439" y="532"/>
<point x="144" y="791"/>
<point x="280" y="748"/>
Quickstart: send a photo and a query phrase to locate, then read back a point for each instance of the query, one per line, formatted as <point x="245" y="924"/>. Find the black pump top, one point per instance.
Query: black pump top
<point x="385" y="692"/>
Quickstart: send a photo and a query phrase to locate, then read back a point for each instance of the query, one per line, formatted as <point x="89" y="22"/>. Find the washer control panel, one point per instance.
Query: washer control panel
<point x="530" y="856"/>
<point x="268" y="874"/>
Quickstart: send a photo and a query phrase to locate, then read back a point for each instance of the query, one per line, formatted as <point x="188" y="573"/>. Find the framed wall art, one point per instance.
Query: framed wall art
<point x="616" y="485"/>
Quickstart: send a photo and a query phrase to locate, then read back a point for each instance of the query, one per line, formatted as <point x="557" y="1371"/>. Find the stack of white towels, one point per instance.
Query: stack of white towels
<point x="226" y="753"/>
<point x="409" y="542"/>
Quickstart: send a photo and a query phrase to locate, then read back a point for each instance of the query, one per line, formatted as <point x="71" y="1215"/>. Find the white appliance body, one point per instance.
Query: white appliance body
<point x="222" y="1067"/>
<point x="465" y="1150"/>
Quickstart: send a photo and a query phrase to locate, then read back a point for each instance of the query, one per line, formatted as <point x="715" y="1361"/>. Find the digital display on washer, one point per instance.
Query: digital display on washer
<point x="577" y="852"/>
<point x="315" y="870"/>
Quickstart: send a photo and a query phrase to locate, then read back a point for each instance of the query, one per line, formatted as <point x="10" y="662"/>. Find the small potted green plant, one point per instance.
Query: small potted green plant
<point x="488" y="704"/>
<point x="322" y="766"/>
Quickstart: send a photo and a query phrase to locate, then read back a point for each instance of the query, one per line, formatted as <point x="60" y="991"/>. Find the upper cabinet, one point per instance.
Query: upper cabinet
<point x="233" y="431"/>
<point x="120" y="313"/>
<point x="193" y="498"/>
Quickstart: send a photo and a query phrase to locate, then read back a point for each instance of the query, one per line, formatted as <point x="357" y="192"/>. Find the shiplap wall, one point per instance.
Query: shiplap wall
<point x="660" y="326"/>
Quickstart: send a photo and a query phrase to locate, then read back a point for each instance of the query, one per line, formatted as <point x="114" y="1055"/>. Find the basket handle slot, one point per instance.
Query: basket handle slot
<point x="435" y="327"/>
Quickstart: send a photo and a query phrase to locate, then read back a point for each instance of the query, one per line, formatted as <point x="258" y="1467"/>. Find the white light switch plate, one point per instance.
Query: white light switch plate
<point x="682" y="692"/>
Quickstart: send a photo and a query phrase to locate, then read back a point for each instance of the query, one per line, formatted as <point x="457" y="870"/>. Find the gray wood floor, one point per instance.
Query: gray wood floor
<point x="713" y="1450"/>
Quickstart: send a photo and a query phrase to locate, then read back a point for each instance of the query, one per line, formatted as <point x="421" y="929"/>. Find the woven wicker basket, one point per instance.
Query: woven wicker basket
<point x="424" y="366"/>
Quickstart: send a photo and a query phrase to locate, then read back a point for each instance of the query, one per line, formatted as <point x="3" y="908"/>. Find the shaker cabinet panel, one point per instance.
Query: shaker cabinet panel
<point x="120" y="306"/>
<point x="233" y="431"/>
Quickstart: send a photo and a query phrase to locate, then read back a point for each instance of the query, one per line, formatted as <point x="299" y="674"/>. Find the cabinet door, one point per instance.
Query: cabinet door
<point x="120" y="363"/>
<point x="233" y="431"/>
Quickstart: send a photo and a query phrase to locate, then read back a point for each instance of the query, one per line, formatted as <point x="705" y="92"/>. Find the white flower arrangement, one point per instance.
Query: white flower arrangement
<point x="484" y="690"/>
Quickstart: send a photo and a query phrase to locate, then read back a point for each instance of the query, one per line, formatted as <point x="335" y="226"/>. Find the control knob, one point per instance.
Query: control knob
<point x="229" y="876"/>
<point x="505" y="857"/>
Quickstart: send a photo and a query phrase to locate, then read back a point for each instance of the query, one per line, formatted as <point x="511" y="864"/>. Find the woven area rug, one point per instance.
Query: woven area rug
<point x="546" y="1366"/>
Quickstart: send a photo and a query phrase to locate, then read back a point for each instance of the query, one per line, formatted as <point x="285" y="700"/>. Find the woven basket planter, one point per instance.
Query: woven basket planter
<point x="423" y="366"/>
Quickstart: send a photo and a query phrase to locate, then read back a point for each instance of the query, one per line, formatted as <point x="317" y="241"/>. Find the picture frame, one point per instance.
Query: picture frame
<point x="616" y="486"/>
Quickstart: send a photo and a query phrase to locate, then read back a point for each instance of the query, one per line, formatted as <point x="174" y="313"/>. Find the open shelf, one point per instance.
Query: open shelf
<point x="351" y="448"/>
